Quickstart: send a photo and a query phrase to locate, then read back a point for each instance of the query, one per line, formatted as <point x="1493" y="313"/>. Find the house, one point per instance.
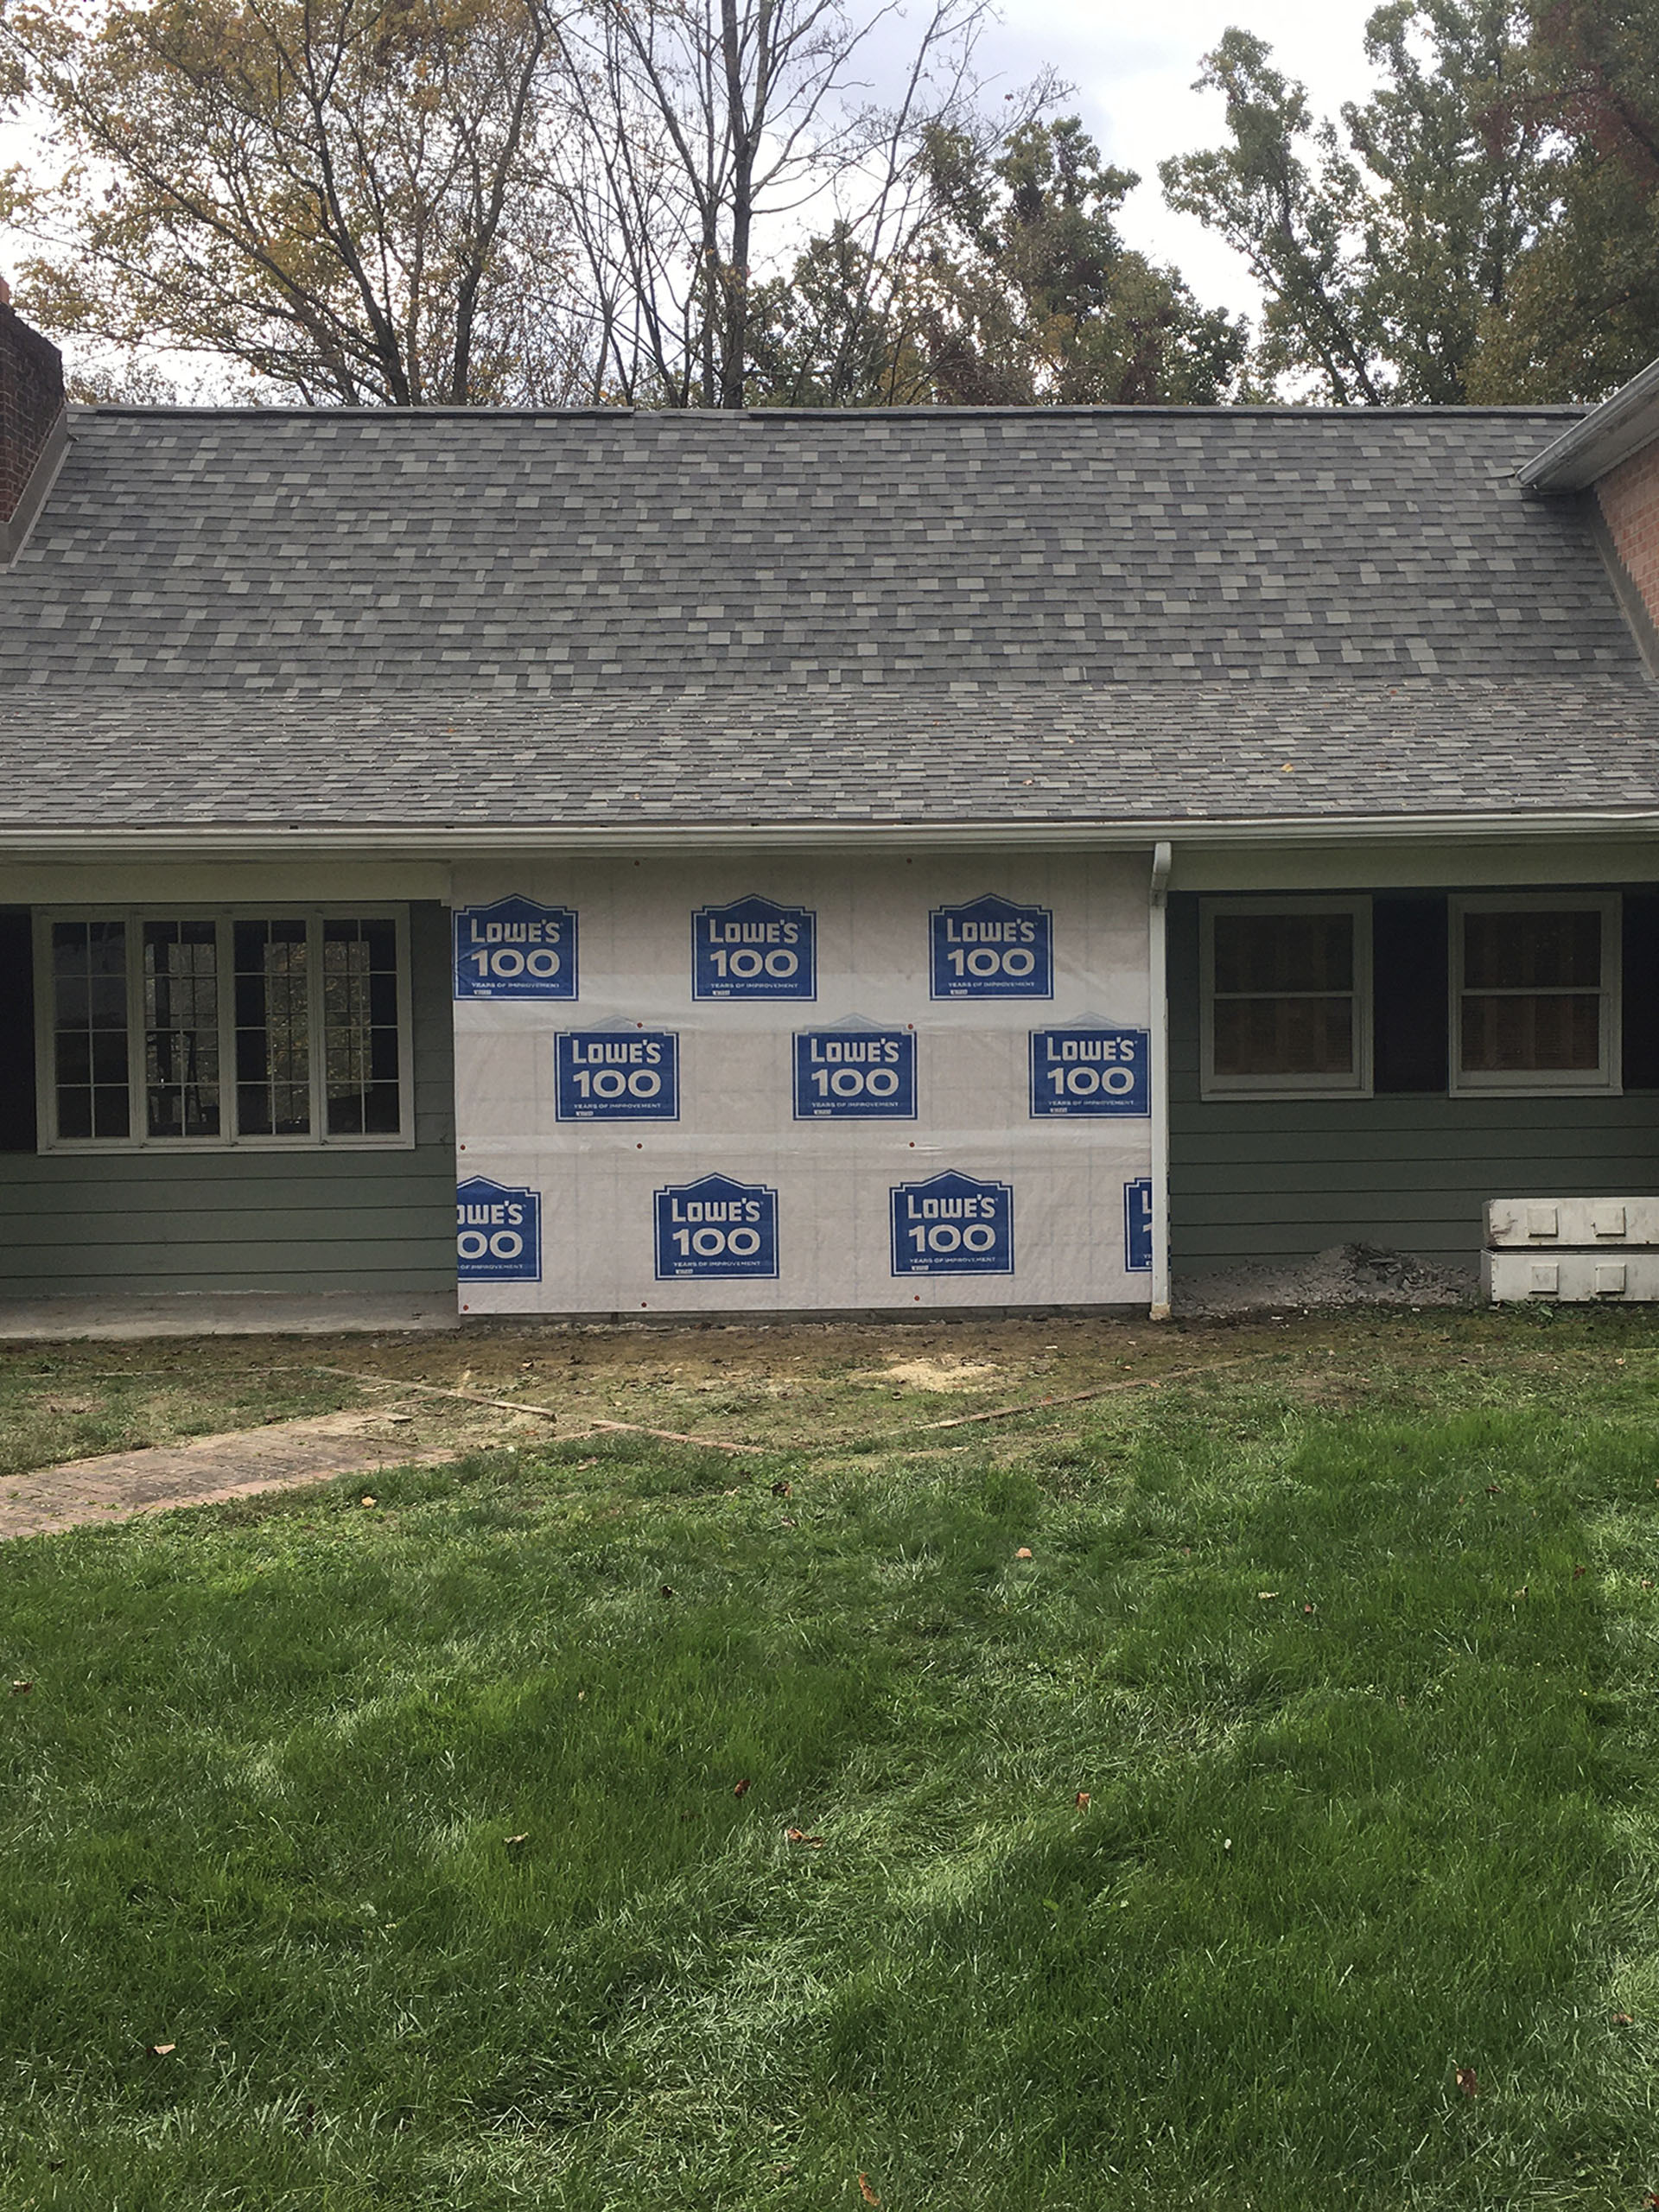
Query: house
<point x="662" y="864"/>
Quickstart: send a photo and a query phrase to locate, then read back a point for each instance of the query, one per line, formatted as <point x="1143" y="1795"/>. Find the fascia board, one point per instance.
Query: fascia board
<point x="459" y="844"/>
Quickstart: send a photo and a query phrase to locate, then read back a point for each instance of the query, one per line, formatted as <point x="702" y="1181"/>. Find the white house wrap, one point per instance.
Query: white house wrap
<point x="786" y="1084"/>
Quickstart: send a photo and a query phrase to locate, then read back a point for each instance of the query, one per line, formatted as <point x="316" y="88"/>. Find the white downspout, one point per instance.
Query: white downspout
<point x="1158" y="984"/>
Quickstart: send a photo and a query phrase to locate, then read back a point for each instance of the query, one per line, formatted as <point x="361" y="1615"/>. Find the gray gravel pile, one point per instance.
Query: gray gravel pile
<point x="1343" y="1275"/>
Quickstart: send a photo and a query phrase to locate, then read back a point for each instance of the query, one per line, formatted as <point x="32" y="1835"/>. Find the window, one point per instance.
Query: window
<point x="159" y="1031"/>
<point x="1285" y="1009"/>
<point x="1534" y="992"/>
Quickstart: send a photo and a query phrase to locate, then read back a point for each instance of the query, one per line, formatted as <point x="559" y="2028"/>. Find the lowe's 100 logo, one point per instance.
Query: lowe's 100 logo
<point x="498" y="1233"/>
<point x="992" y="949"/>
<point x="953" y="1225"/>
<point x="1082" y="1072"/>
<point x="855" y="1074"/>
<point x="515" y="949"/>
<point x="754" y="949"/>
<point x="617" y="1075"/>
<point x="715" y="1229"/>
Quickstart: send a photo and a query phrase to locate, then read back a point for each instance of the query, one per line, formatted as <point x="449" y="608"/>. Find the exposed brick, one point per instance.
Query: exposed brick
<point x="1630" y="500"/>
<point x="31" y="400"/>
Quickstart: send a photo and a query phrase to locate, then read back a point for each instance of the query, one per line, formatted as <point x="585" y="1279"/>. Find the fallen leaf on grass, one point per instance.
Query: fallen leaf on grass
<point x="366" y="1501"/>
<point x="783" y="1490"/>
<point x="799" y="1835"/>
<point x="1523" y="1591"/>
<point x="513" y="1841"/>
<point x="1266" y="1593"/>
<point x="1467" y="2082"/>
<point x="742" y="1789"/>
<point x="159" y="2050"/>
<point x="1081" y="1799"/>
<point x="1623" y="2020"/>
<point x="1578" y="1571"/>
<point x="865" y="2192"/>
<point x="1024" y="1552"/>
<point x="1492" y="1490"/>
<point x="1307" y="1608"/>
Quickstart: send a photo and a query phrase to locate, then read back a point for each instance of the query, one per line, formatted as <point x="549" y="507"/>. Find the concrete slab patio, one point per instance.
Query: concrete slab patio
<point x="219" y="1314"/>
<point x="116" y="1485"/>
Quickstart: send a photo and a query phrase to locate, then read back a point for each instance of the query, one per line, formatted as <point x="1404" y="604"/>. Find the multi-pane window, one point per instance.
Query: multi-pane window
<point x="1534" y="992"/>
<point x="167" y="1029"/>
<point x="88" y="981"/>
<point x="1285" y="998"/>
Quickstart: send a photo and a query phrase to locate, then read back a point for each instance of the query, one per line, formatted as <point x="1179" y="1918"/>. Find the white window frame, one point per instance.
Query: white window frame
<point x="1355" y="1085"/>
<point x="1541" y="1083"/>
<point x="317" y="1138"/>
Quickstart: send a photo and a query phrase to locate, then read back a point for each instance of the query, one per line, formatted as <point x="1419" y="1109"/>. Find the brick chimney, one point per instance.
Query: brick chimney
<point x="33" y="425"/>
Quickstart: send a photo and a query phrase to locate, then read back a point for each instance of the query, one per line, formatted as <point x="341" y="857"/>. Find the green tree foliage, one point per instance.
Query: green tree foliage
<point x="343" y="197"/>
<point x="1484" y="228"/>
<point x="1017" y="290"/>
<point x="1382" y="250"/>
<point x="1583" y="311"/>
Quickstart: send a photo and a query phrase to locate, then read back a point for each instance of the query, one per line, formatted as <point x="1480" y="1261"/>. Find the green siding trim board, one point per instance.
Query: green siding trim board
<point x="1277" y="1181"/>
<point x="303" y="1221"/>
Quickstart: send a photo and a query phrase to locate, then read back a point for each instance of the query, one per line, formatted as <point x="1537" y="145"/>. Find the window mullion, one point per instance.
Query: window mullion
<point x="314" y="1026"/>
<point x="137" y="1033"/>
<point x="224" y="958"/>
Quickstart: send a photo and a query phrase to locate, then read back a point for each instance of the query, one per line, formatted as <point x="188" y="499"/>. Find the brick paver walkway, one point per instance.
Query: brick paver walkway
<point x="236" y="1465"/>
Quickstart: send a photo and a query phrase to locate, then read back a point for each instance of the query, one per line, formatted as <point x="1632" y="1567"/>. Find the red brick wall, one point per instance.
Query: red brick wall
<point x="31" y="399"/>
<point x="1630" y="500"/>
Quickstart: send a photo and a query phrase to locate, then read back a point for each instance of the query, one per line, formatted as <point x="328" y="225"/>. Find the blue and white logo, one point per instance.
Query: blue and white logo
<point x="715" y="1229"/>
<point x="620" y="1074"/>
<point x="498" y="1233"/>
<point x="953" y="1225"/>
<point x="1137" y="1225"/>
<point x="515" y="949"/>
<point x="754" y="949"/>
<point x="856" y="1073"/>
<point x="992" y="949"/>
<point x="1088" y="1070"/>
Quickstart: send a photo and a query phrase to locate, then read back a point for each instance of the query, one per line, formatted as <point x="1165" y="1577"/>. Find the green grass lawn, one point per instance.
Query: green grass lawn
<point x="1396" y="1818"/>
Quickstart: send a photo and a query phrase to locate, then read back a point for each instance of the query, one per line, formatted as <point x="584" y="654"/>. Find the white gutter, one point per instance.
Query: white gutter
<point x="1158" y="1076"/>
<point x="448" y="841"/>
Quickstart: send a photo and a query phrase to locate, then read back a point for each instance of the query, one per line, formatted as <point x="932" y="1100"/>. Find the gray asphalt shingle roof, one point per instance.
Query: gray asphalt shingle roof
<point x="1122" y="615"/>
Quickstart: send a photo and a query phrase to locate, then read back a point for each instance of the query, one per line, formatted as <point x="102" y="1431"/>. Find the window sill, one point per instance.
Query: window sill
<point x="177" y="1147"/>
<point x="1533" y="1088"/>
<point x="1270" y="1093"/>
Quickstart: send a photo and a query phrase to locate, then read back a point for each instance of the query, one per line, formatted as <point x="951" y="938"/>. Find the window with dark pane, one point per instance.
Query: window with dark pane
<point x="1532" y="987"/>
<point x="1283" y="1001"/>
<point x="360" y="1029"/>
<point x="272" y="993"/>
<point x="89" y="998"/>
<point x="181" y="1013"/>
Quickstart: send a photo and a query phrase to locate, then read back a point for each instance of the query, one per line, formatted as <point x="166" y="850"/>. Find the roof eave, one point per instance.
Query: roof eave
<point x="458" y="841"/>
<point x="1609" y="434"/>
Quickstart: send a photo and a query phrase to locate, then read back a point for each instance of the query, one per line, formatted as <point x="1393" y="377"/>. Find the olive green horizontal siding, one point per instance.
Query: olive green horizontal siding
<point x="303" y="1221"/>
<point x="1279" y="1179"/>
